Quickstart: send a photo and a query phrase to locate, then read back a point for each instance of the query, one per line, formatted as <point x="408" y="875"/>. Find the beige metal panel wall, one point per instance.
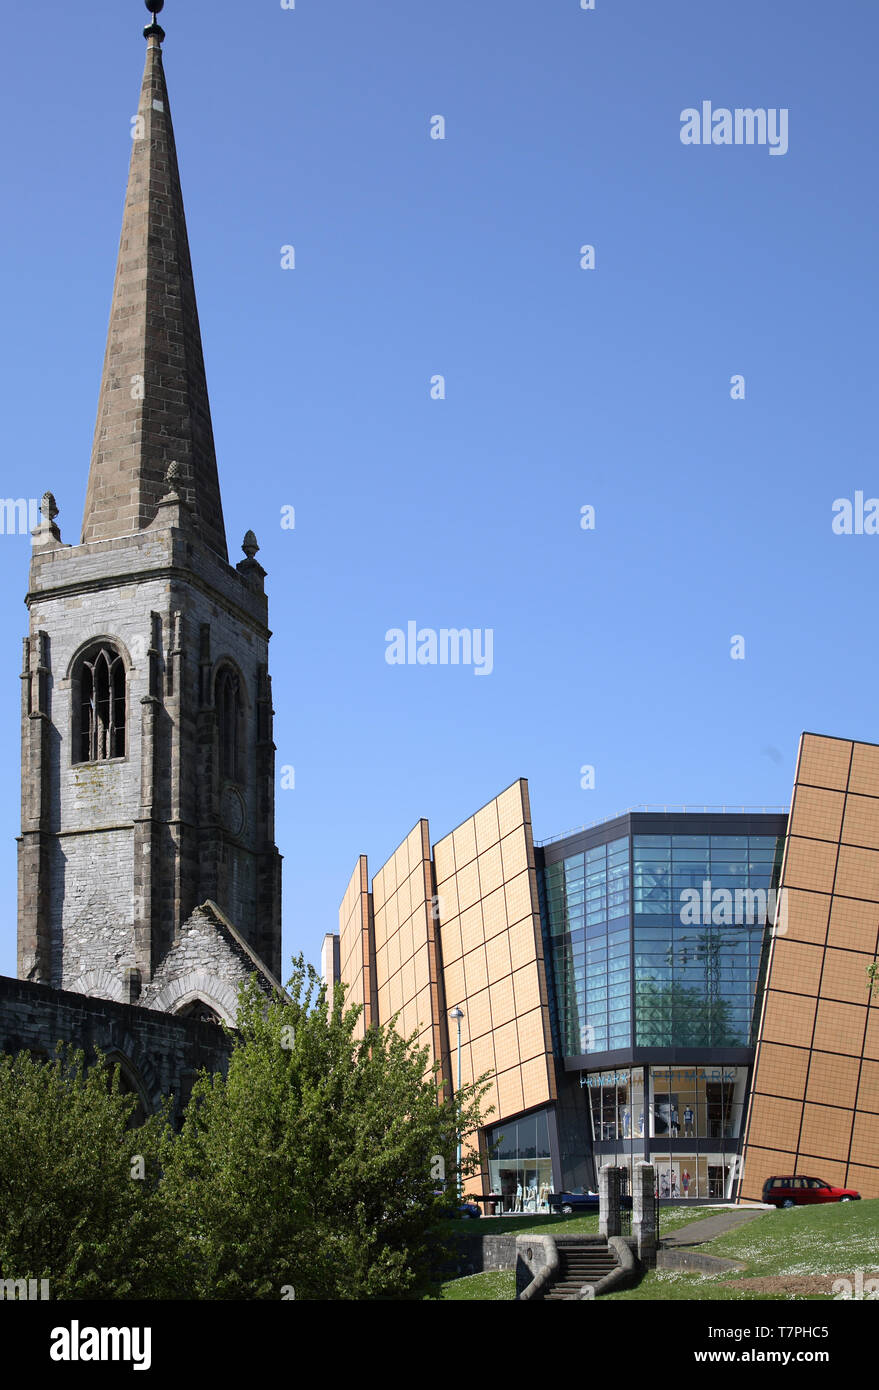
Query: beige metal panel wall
<point x="492" y="953"/>
<point x="356" y="950"/>
<point x="407" y="973"/>
<point x="815" y="1099"/>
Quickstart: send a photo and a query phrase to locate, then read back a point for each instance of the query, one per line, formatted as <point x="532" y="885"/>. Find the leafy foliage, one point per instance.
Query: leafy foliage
<point x="311" y="1165"/>
<point x="70" y="1209"/>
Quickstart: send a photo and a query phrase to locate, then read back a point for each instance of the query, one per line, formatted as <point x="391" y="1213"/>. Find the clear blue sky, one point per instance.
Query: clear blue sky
<point x="565" y="387"/>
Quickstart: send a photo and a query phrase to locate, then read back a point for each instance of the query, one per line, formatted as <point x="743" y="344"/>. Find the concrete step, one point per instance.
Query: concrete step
<point x="579" y="1265"/>
<point x="587" y="1259"/>
<point x="583" y="1276"/>
<point x="564" y="1290"/>
<point x="586" y="1264"/>
<point x="586" y="1255"/>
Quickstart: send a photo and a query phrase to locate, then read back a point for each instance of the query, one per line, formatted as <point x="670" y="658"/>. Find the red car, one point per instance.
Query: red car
<point x="804" y="1192"/>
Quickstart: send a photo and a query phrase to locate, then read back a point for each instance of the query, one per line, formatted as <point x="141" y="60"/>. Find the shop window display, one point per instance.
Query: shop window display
<point x="616" y="1103"/>
<point x="519" y="1163"/>
<point x="704" y="1104"/>
<point x="699" y="1103"/>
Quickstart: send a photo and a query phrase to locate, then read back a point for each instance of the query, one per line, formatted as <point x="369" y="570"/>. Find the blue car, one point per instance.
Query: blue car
<point x="573" y="1201"/>
<point x="581" y="1201"/>
<point x="469" y="1211"/>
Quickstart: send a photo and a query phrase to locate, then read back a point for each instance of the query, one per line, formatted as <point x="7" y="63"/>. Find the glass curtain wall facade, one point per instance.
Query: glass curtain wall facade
<point x="587" y="904"/>
<point x="700" y="906"/>
<point x="698" y="914"/>
<point x="656" y="943"/>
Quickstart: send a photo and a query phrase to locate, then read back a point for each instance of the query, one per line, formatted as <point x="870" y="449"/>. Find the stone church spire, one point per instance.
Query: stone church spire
<point x="153" y="408"/>
<point x="148" y="870"/>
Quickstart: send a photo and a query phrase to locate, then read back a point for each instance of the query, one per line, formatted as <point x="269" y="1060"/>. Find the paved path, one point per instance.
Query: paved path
<point x="712" y="1226"/>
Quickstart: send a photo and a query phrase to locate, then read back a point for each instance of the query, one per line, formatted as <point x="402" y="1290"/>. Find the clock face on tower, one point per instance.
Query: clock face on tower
<point x="232" y="813"/>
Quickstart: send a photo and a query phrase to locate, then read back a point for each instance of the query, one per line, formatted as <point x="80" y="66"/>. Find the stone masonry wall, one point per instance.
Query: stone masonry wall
<point x="109" y="589"/>
<point x="162" y="1054"/>
<point x="206" y="962"/>
<point x="92" y="905"/>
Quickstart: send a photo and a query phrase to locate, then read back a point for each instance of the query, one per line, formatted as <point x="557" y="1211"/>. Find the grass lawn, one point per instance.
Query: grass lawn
<point x="837" y="1238"/>
<point x="659" y="1284"/>
<point x="671" y="1285"/>
<point x="492" y="1285"/>
<point x="787" y="1255"/>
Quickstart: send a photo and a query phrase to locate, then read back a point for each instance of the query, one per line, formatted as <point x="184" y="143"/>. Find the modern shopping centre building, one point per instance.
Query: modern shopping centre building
<point x="692" y="988"/>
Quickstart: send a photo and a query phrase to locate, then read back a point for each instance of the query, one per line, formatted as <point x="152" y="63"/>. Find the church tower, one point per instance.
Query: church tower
<point x="147" y="852"/>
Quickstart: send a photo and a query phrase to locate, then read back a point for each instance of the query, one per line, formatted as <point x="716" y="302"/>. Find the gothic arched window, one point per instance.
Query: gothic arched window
<point x="101" y="701"/>
<point x="229" y="712"/>
<point x="128" y="1086"/>
<point x="199" y="1011"/>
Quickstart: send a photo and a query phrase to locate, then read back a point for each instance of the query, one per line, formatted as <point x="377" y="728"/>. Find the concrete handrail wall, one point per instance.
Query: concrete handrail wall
<point x="540" y="1255"/>
<point x="694" y="1259"/>
<point x="625" y="1273"/>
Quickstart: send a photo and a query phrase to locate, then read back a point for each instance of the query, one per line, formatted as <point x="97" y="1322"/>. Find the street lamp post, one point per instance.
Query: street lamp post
<point x="457" y="1014"/>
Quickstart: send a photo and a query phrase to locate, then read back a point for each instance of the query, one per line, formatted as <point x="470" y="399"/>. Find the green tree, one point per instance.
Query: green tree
<point x="313" y="1164"/>
<point x="74" y="1208"/>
